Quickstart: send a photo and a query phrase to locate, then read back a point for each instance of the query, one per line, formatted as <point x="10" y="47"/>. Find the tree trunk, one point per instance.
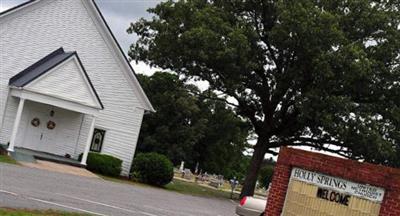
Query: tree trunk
<point x="252" y="172"/>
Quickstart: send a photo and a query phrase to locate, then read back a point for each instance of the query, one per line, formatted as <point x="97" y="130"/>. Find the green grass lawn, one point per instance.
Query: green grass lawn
<point x="196" y="190"/>
<point x="180" y="187"/>
<point x="123" y="180"/>
<point x="23" y="212"/>
<point x="7" y="159"/>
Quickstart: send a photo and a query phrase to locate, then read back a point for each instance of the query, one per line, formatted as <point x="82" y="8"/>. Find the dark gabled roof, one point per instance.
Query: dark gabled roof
<point x="39" y="68"/>
<point x="46" y="64"/>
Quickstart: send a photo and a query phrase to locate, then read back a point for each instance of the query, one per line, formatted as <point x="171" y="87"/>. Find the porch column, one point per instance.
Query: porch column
<point x="88" y="141"/>
<point x="16" y="124"/>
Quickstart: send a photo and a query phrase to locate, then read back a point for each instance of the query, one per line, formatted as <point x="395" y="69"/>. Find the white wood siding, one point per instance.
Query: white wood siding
<point x="30" y="34"/>
<point x="66" y="81"/>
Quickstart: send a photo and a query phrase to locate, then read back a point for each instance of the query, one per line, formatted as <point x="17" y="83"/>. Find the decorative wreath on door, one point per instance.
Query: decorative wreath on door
<point x="35" y="122"/>
<point x="51" y="125"/>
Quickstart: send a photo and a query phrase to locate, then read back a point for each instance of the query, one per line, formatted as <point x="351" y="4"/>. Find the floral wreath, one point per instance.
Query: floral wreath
<point x="35" y="122"/>
<point x="51" y="125"/>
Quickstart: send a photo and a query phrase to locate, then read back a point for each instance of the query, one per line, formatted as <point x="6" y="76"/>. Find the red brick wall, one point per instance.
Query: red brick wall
<point x="376" y="175"/>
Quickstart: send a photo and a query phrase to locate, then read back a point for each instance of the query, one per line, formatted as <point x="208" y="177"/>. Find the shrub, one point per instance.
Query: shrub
<point x="103" y="164"/>
<point x="152" y="168"/>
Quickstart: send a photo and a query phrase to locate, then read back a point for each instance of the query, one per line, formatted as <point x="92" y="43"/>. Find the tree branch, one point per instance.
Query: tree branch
<point x="213" y="98"/>
<point x="317" y="141"/>
<point x="340" y="151"/>
<point x="274" y="153"/>
<point x="318" y="144"/>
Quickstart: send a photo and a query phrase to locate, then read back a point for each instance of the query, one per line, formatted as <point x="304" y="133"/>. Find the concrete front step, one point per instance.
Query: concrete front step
<point x="22" y="157"/>
<point x="61" y="168"/>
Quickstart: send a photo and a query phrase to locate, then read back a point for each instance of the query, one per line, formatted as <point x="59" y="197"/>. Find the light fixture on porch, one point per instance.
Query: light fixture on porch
<point x="52" y="113"/>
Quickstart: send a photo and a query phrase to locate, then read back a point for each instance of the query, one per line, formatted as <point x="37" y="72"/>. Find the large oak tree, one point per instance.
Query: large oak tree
<point x="319" y="73"/>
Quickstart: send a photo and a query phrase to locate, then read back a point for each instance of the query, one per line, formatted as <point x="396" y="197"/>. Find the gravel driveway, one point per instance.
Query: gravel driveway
<point x="22" y="187"/>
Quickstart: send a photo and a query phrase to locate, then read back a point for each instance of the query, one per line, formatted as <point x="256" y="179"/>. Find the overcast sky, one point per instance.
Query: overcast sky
<point x="118" y="14"/>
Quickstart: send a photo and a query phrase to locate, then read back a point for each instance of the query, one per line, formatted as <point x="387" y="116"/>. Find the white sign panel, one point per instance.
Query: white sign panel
<point x="355" y="189"/>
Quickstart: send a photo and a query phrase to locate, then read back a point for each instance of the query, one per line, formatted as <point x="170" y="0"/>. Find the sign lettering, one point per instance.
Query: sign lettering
<point x="333" y="196"/>
<point x="338" y="184"/>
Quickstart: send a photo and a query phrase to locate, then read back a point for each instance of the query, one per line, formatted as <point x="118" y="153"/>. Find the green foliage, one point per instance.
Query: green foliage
<point x="175" y="128"/>
<point x="313" y="73"/>
<point x="4" y="158"/>
<point x="323" y="74"/>
<point x="240" y="169"/>
<point x="188" y="126"/>
<point x="103" y="164"/>
<point x="221" y="148"/>
<point x="265" y="176"/>
<point x="152" y="168"/>
<point x="7" y="159"/>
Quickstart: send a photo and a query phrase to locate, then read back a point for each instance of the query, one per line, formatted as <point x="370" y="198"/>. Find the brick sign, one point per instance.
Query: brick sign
<point x="339" y="185"/>
<point x="333" y="174"/>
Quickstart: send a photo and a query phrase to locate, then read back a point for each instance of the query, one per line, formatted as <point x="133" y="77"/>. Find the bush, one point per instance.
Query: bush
<point x="103" y="164"/>
<point x="152" y="168"/>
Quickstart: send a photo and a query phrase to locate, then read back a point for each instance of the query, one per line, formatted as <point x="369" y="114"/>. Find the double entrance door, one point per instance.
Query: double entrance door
<point x="41" y="129"/>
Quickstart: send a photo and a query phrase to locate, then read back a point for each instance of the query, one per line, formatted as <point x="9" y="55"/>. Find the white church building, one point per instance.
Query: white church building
<point x="66" y="88"/>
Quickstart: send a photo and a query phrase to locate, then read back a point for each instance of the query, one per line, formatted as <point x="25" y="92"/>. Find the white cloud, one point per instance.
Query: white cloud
<point x="7" y="4"/>
<point x="143" y="68"/>
<point x="120" y="13"/>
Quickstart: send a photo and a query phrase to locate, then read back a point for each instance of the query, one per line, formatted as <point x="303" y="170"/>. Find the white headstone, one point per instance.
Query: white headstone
<point x="182" y="167"/>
